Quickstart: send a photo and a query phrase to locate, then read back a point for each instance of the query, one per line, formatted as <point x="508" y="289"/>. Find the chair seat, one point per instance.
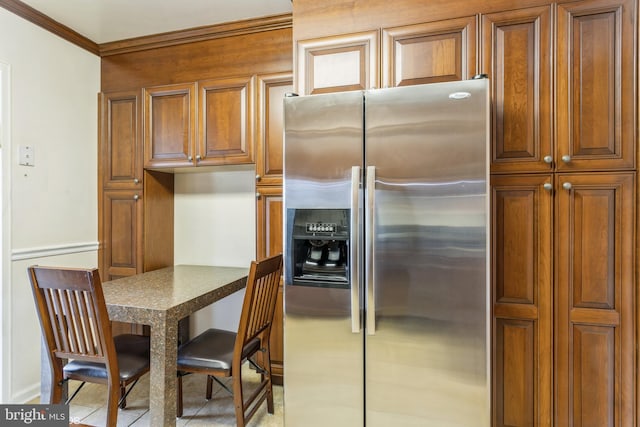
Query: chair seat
<point x="133" y="358"/>
<point x="212" y="349"/>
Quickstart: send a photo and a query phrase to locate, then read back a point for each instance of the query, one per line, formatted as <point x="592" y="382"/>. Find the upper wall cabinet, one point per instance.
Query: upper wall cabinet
<point x="516" y="54"/>
<point x="338" y="63"/>
<point x="225" y="121"/>
<point x="272" y="89"/>
<point x="414" y="54"/>
<point x="429" y="53"/>
<point x="214" y="129"/>
<point x="120" y="147"/>
<point x="169" y="125"/>
<point x="596" y="85"/>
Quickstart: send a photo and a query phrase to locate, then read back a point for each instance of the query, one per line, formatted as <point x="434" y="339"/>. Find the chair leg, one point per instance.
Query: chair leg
<point x="179" y="407"/>
<point x="209" y="387"/>
<point x="112" y="405"/>
<point x="123" y="396"/>
<point x="267" y="376"/>
<point x="238" y="398"/>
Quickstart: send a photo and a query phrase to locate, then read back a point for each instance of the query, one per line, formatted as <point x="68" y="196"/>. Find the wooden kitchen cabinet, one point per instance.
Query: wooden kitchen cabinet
<point x="272" y="89"/>
<point x="120" y="147"/>
<point x="206" y="123"/>
<point x="429" y="52"/>
<point x="521" y="289"/>
<point x="596" y="81"/>
<point x="594" y="299"/>
<point x="338" y="63"/>
<point x="414" y="54"/>
<point x="594" y="91"/>
<point x="169" y="125"/>
<point x="269" y="210"/>
<point x="122" y="215"/>
<point x="586" y="284"/>
<point x="225" y="121"/>
<point x="516" y="52"/>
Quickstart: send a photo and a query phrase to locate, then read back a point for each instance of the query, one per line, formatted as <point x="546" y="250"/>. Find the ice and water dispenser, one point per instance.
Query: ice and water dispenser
<point x="319" y="247"/>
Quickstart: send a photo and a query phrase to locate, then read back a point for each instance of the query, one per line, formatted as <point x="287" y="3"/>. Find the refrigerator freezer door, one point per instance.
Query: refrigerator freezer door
<point x="323" y="343"/>
<point x="427" y="361"/>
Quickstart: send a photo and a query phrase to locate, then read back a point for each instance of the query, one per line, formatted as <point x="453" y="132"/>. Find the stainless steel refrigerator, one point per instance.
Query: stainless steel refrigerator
<point x="386" y="257"/>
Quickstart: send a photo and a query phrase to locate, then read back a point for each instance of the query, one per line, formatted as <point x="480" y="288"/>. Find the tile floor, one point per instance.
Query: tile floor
<point x="88" y="407"/>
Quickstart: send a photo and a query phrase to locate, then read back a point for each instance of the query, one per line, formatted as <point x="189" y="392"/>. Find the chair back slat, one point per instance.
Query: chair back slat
<point x="67" y="314"/>
<point x="260" y="299"/>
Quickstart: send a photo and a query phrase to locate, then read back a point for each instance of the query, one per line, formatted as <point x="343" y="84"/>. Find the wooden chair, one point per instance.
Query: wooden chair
<point x="220" y="353"/>
<point x="75" y="324"/>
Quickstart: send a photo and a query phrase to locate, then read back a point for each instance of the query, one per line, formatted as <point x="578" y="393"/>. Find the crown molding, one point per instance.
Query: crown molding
<point x="40" y="19"/>
<point x="236" y="28"/>
<point x="209" y="32"/>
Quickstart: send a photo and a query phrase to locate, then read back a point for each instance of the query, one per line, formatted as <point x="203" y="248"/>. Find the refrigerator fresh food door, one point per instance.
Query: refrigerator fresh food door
<point x="426" y="274"/>
<point x="323" y="337"/>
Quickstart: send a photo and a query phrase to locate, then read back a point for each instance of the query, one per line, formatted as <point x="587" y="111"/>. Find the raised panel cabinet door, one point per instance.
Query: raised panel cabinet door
<point x="521" y="277"/>
<point x="169" y="125"/>
<point x="338" y="63"/>
<point x="516" y="54"/>
<point x="594" y="300"/>
<point x="225" y="121"/>
<point x="272" y="89"/>
<point x="120" y="144"/>
<point x="269" y="236"/>
<point x="429" y="53"/>
<point x="596" y="85"/>
<point x="122" y="248"/>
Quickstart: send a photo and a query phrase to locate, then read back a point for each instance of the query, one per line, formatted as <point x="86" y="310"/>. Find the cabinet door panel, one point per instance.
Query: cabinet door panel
<point x="122" y="233"/>
<point x="339" y="63"/>
<point x="120" y="144"/>
<point x="225" y="121"/>
<point x="429" y="53"/>
<point x="594" y="291"/>
<point x="516" y="55"/>
<point x="522" y="307"/>
<point x="269" y="135"/>
<point x="269" y="242"/>
<point x="169" y="124"/>
<point x="596" y="85"/>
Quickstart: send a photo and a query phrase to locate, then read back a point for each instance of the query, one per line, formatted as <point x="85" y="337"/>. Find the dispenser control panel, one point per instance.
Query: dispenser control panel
<point x="321" y="228"/>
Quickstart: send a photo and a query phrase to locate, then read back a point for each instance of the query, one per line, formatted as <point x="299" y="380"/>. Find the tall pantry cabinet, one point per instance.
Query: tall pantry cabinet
<point x="272" y="88"/>
<point x="563" y="80"/>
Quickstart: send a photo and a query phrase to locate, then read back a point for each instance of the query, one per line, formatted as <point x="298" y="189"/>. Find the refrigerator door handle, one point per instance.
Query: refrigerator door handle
<point x="369" y="239"/>
<point x="354" y="250"/>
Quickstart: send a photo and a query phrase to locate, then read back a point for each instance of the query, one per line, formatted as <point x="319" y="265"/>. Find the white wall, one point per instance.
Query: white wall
<point x="215" y="221"/>
<point x="52" y="205"/>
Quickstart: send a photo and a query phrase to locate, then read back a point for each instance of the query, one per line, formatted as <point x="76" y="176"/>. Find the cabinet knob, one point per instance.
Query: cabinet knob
<point x="258" y="177"/>
<point x="547" y="186"/>
<point x="567" y="186"/>
<point x="547" y="159"/>
<point x="198" y="158"/>
<point x="566" y="158"/>
<point x="190" y="158"/>
<point x="136" y="180"/>
<point x="258" y="195"/>
<point x="136" y="197"/>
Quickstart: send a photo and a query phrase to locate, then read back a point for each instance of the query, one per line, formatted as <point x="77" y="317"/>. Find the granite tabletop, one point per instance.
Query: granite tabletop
<point x="175" y="291"/>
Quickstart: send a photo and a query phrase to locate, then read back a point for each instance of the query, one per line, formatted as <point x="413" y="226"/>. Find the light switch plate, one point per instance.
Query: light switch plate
<point x="27" y="155"/>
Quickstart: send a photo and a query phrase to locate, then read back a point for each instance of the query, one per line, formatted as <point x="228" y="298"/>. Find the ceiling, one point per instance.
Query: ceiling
<point x="103" y="21"/>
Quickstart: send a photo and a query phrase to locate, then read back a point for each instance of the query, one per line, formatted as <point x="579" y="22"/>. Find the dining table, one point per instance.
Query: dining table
<point x="160" y="299"/>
